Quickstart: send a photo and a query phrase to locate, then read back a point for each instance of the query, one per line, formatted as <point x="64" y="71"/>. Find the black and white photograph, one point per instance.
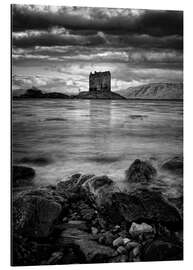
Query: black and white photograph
<point x="96" y="135"/>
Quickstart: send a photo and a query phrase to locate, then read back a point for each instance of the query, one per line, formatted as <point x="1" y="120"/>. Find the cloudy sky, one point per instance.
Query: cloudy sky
<point x="55" y="48"/>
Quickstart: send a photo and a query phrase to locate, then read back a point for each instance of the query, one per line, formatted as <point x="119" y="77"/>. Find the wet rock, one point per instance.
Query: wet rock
<point x="35" y="213"/>
<point x="108" y="238"/>
<point x="118" y="242"/>
<point x="68" y="185"/>
<point x="22" y="175"/>
<point x="92" y="251"/>
<point x="55" y="257"/>
<point x="160" y="250"/>
<point x="130" y="245"/>
<point x="98" y="186"/>
<point x="122" y="250"/>
<point x="140" y="171"/>
<point x="136" y="251"/>
<point x="94" y="230"/>
<point x="119" y="258"/>
<point x="140" y="229"/>
<point x="126" y="240"/>
<point x="174" y="165"/>
<point x="141" y="205"/>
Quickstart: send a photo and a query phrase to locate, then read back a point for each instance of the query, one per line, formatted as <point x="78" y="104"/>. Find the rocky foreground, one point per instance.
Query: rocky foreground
<point x="87" y="219"/>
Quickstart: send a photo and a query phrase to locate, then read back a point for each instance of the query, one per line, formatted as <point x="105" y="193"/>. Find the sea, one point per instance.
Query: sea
<point x="59" y="138"/>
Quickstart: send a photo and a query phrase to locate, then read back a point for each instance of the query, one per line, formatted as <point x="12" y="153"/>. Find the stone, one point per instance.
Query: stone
<point x="140" y="229"/>
<point x="68" y="185"/>
<point x="119" y="258"/>
<point x="55" y="257"/>
<point x="130" y="245"/>
<point x="92" y="251"/>
<point x="118" y="242"/>
<point x="35" y="213"/>
<point x="136" y="251"/>
<point x="140" y="171"/>
<point x="126" y="240"/>
<point x="159" y="250"/>
<point x="108" y="238"/>
<point x="94" y="230"/>
<point x="143" y="204"/>
<point x="22" y="175"/>
<point x="98" y="186"/>
<point x="122" y="250"/>
<point x="174" y="165"/>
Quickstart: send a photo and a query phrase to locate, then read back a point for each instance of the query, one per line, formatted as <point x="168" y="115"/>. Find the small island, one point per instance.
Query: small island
<point x="99" y="88"/>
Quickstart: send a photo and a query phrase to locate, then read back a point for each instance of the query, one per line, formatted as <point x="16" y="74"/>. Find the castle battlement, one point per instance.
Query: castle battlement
<point x="100" y="81"/>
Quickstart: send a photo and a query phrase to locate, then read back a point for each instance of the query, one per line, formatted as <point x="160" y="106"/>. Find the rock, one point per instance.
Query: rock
<point x="94" y="230"/>
<point x="122" y="250"/>
<point x="69" y="185"/>
<point x="126" y="240"/>
<point x="140" y="229"/>
<point x="83" y="178"/>
<point x="140" y="171"/>
<point x="116" y="228"/>
<point x="34" y="213"/>
<point x="22" y="175"/>
<point x="119" y="258"/>
<point x="140" y="205"/>
<point x="86" y="211"/>
<point x="98" y="186"/>
<point x="92" y="251"/>
<point x="108" y="238"/>
<point x="55" y="257"/>
<point x="160" y="250"/>
<point x="130" y="245"/>
<point x="136" y="251"/>
<point x="174" y="165"/>
<point x="118" y="242"/>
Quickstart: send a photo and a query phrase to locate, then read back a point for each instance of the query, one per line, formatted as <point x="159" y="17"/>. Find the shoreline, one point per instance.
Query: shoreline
<point x="87" y="219"/>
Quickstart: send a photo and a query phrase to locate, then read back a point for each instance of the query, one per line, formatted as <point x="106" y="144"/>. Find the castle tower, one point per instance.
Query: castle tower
<point x="100" y="81"/>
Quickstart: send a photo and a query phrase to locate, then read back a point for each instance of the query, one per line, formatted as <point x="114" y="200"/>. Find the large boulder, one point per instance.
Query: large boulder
<point x="140" y="206"/>
<point x="174" y="165"/>
<point x="98" y="187"/>
<point x="35" y="212"/>
<point x="22" y="175"/>
<point x="73" y="183"/>
<point x="159" y="250"/>
<point x="140" y="171"/>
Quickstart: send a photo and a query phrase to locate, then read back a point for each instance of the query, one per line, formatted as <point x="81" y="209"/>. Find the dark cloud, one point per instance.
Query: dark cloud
<point x="87" y="20"/>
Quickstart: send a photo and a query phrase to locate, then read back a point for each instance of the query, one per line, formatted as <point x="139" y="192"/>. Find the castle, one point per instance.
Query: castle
<point x="100" y="81"/>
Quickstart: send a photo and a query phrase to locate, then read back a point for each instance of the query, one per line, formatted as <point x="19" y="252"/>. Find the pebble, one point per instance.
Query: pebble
<point x="126" y="240"/>
<point x="65" y="219"/>
<point x="94" y="230"/>
<point x="118" y="242"/>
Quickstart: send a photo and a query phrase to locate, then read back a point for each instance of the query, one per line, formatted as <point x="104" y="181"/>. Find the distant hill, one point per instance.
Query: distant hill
<point x="154" y="91"/>
<point x="36" y="93"/>
<point x="98" y="95"/>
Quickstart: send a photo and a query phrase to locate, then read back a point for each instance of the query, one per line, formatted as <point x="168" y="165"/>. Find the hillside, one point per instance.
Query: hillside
<point x="154" y="91"/>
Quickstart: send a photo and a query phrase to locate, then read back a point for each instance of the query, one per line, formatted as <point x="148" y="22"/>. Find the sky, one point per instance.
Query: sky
<point x="54" y="48"/>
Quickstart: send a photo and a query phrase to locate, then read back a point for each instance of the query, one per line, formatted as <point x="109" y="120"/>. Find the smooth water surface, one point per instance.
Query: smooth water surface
<point x="61" y="137"/>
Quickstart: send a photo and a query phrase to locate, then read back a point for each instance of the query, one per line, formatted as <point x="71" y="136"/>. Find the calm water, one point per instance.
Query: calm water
<point x="61" y="137"/>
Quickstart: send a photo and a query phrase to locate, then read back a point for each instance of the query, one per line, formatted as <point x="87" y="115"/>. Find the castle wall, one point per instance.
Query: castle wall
<point x="100" y="81"/>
